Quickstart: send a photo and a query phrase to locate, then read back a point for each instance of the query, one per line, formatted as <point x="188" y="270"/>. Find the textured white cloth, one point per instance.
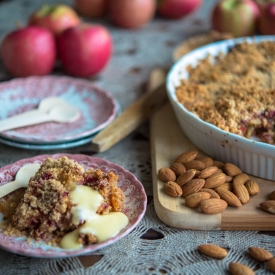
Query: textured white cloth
<point x="136" y="53"/>
<point x="175" y="253"/>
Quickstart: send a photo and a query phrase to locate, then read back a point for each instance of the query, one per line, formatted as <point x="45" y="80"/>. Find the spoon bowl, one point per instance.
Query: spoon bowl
<point x="22" y="178"/>
<point x="47" y="103"/>
<point x="64" y="113"/>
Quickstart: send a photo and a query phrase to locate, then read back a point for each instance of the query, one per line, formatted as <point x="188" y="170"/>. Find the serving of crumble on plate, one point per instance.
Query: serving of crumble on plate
<point x="45" y="220"/>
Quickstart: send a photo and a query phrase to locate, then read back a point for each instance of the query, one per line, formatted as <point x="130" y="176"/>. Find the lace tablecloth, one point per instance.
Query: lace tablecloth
<point x="136" y="53"/>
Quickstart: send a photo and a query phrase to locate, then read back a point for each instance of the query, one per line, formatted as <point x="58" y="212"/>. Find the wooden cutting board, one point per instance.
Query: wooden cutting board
<point x="167" y="142"/>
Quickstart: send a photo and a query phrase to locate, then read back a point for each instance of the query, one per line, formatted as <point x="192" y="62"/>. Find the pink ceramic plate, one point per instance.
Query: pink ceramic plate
<point x="135" y="206"/>
<point x="98" y="108"/>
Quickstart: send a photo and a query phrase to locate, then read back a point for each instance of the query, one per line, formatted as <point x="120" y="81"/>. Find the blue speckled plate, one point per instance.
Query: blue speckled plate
<point x="98" y="108"/>
<point x="52" y="146"/>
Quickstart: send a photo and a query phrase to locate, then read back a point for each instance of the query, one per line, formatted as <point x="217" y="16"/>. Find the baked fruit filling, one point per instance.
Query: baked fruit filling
<point x="61" y="198"/>
<point x="235" y="91"/>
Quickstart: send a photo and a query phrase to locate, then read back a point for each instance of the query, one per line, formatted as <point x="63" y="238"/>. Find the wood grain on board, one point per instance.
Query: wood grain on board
<point x="167" y="142"/>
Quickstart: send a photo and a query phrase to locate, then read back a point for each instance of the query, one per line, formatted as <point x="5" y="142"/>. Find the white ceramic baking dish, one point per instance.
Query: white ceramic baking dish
<point x="253" y="157"/>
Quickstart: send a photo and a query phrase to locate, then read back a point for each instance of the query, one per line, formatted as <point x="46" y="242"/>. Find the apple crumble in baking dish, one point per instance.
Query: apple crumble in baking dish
<point x="235" y="91"/>
<point x="65" y="204"/>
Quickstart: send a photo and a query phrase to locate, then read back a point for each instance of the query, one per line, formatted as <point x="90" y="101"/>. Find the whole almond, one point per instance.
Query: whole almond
<point x="241" y="178"/>
<point x="186" y="156"/>
<point x="192" y="186"/>
<point x="272" y="195"/>
<point x="166" y="174"/>
<point x="240" y="269"/>
<point x="206" y="160"/>
<point x="271" y="264"/>
<point x="218" y="164"/>
<point x="241" y="192"/>
<point x="207" y="172"/>
<point x="212" y="206"/>
<point x="185" y="177"/>
<point x="259" y="254"/>
<point x="172" y="189"/>
<point x="215" y="180"/>
<point x="253" y="187"/>
<point x="178" y="168"/>
<point x="231" y="169"/>
<point x="229" y="197"/>
<point x="193" y="200"/>
<point x="212" y="251"/>
<point x="227" y="185"/>
<point x="213" y="193"/>
<point x="268" y="206"/>
<point x="194" y="164"/>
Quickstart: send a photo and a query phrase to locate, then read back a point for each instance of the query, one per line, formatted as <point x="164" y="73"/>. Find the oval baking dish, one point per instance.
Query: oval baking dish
<point x="253" y="157"/>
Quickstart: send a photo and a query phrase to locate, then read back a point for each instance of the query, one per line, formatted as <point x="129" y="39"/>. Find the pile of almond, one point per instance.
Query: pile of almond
<point x="235" y="268"/>
<point x="207" y="184"/>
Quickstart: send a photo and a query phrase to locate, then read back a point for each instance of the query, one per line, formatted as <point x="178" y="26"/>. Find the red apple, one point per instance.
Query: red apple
<point x="84" y="50"/>
<point x="267" y="19"/>
<point x="175" y="9"/>
<point x="29" y="51"/>
<point x="91" y="8"/>
<point x="131" y="14"/>
<point x="55" y="18"/>
<point x="238" y="17"/>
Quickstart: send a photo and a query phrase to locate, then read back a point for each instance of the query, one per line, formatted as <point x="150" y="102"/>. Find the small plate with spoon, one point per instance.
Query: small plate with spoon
<point x="97" y="109"/>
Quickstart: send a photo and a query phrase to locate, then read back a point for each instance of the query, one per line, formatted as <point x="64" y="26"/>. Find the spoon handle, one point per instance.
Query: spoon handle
<point x="8" y="188"/>
<point x="25" y="119"/>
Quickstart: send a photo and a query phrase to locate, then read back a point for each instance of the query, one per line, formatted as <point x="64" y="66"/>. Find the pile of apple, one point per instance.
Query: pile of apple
<point x="56" y="32"/>
<point x="132" y="14"/>
<point x="244" y="17"/>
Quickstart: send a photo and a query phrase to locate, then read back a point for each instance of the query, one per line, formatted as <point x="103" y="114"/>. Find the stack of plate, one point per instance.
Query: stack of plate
<point x="97" y="107"/>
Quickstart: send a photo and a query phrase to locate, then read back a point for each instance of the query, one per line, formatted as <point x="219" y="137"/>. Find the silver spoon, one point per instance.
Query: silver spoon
<point x="62" y="113"/>
<point x="22" y="178"/>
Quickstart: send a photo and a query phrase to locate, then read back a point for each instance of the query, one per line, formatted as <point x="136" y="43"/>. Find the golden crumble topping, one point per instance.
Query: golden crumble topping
<point x="236" y="92"/>
<point x="44" y="210"/>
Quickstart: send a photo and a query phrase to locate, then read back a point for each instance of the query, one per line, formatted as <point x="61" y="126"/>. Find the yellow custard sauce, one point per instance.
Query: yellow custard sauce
<point x="87" y="201"/>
